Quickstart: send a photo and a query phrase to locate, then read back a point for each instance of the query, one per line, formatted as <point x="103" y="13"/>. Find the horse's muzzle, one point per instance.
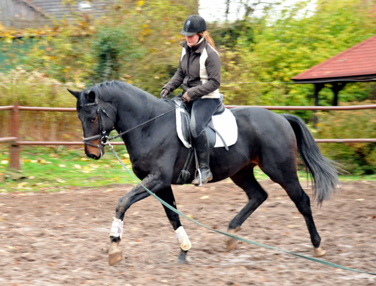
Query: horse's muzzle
<point x="94" y="152"/>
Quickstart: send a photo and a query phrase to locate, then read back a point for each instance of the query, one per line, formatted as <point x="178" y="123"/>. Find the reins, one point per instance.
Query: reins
<point x="105" y="138"/>
<point x="141" y="124"/>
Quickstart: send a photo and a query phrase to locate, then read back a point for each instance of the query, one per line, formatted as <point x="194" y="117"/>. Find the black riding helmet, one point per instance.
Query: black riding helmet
<point x="193" y="25"/>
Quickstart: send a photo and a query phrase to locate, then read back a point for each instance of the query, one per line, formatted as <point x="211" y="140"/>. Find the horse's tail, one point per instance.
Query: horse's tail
<point x="325" y="175"/>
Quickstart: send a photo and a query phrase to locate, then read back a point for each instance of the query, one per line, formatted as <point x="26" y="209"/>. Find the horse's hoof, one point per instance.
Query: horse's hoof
<point x="115" y="257"/>
<point x="182" y="258"/>
<point x="114" y="254"/>
<point x="182" y="261"/>
<point x="318" y="252"/>
<point x="232" y="242"/>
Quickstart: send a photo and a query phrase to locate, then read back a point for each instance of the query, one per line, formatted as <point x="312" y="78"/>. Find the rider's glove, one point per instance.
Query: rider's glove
<point x="186" y="97"/>
<point x="164" y="93"/>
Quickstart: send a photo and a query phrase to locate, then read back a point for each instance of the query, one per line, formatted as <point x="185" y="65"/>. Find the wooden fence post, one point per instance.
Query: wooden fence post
<point x="15" y="147"/>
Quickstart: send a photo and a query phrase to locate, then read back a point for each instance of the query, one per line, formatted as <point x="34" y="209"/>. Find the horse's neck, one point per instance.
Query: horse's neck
<point x="134" y="110"/>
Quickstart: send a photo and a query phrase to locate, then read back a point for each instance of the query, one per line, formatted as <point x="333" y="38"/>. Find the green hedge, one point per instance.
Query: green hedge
<point x="356" y="158"/>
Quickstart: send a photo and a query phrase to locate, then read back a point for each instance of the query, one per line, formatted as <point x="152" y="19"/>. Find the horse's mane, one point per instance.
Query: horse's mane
<point x="116" y="87"/>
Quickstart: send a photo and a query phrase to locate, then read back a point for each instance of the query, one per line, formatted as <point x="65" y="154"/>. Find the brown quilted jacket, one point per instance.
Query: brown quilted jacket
<point x="199" y="71"/>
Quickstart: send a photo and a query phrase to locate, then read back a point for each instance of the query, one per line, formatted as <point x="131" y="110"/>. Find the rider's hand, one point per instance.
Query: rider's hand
<point x="186" y="97"/>
<point x="164" y="93"/>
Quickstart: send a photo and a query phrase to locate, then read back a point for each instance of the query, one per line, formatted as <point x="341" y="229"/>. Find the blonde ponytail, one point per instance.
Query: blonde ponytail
<point x="206" y="35"/>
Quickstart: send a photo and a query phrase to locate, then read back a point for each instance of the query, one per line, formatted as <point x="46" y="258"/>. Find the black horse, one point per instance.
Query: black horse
<point x="266" y="139"/>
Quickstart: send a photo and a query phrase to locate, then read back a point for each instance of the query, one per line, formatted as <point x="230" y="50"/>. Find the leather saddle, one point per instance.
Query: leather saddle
<point x="222" y="130"/>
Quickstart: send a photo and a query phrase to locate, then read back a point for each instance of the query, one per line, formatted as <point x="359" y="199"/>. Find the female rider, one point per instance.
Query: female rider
<point x="199" y="73"/>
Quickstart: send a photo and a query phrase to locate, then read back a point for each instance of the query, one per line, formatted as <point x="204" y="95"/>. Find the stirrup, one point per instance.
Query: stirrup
<point x="200" y="178"/>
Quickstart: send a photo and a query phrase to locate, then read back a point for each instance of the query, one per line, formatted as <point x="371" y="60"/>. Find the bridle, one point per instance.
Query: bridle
<point x="103" y="136"/>
<point x="103" y="133"/>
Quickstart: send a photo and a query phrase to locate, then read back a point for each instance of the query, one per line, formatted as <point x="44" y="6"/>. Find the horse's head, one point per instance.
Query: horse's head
<point x="97" y="118"/>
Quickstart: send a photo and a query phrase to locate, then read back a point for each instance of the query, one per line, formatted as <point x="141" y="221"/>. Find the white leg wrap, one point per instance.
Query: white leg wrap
<point x="183" y="239"/>
<point x="117" y="228"/>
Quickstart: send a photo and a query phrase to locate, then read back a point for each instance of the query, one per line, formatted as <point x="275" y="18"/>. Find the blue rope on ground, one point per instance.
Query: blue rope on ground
<point x="231" y="235"/>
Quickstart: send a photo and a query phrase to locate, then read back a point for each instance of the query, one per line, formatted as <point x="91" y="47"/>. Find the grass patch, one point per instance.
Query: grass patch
<point x="55" y="169"/>
<point x="50" y="169"/>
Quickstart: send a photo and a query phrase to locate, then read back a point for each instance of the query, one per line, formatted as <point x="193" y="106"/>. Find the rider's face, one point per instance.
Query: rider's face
<point x="192" y="40"/>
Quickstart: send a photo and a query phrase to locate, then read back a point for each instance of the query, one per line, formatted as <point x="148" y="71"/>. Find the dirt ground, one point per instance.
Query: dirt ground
<point x="61" y="238"/>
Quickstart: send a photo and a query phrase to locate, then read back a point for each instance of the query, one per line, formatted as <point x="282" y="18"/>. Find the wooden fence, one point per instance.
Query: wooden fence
<point x="15" y="143"/>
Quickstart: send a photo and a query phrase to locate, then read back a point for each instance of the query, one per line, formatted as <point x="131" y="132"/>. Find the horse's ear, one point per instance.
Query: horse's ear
<point x="76" y="94"/>
<point x="91" y="96"/>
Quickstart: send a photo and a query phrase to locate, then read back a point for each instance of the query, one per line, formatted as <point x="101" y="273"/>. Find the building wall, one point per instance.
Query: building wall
<point x="18" y="14"/>
<point x="37" y="13"/>
<point x="56" y="9"/>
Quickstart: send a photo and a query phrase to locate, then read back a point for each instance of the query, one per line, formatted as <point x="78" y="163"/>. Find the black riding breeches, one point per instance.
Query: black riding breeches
<point x="201" y="113"/>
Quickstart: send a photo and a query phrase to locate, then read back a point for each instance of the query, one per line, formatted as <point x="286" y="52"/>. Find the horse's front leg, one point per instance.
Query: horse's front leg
<point x="136" y="194"/>
<point x="185" y="244"/>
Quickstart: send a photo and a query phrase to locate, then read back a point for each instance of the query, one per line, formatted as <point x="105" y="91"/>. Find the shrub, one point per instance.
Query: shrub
<point x="356" y="158"/>
<point x="113" y="48"/>
<point x="37" y="89"/>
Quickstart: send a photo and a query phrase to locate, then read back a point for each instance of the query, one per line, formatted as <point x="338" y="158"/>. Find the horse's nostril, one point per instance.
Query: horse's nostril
<point x="92" y="156"/>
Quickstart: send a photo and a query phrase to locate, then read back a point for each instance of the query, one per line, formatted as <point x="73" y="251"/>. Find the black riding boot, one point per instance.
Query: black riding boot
<point x="202" y="147"/>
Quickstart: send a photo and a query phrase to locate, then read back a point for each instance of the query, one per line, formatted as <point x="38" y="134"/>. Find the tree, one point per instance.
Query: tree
<point x="294" y="42"/>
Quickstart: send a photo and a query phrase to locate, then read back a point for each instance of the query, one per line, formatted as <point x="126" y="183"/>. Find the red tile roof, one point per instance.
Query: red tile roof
<point x="358" y="61"/>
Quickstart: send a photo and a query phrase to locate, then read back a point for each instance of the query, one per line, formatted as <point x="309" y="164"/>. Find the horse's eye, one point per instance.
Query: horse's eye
<point x="92" y="119"/>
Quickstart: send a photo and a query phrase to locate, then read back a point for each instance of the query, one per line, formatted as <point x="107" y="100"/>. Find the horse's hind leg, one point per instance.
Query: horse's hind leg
<point x="246" y="180"/>
<point x="303" y="204"/>
<point x="290" y="182"/>
<point x="168" y="196"/>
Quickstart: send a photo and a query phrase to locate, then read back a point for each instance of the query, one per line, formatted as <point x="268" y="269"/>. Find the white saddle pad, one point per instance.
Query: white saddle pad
<point x="224" y="124"/>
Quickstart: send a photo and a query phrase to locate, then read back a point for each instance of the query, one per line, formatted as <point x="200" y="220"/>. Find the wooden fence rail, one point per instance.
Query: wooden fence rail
<point x="14" y="162"/>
